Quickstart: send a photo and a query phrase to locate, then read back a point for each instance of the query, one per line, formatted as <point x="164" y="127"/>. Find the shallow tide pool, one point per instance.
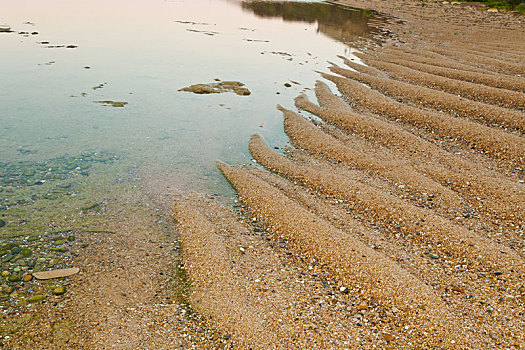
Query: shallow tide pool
<point x="104" y="78"/>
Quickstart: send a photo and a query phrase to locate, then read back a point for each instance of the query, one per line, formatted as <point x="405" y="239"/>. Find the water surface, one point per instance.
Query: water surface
<point x="65" y="56"/>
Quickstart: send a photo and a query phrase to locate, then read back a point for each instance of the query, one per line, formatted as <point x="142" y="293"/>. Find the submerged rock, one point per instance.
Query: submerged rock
<point x="26" y="252"/>
<point x="59" y="290"/>
<point x="217" y="88"/>
<point x="45" y="275"/>
<point x="91" y="207"/>
<point x="36" y="298"/>
<point x="112" y="103"/>
<point x="14" y="278"/>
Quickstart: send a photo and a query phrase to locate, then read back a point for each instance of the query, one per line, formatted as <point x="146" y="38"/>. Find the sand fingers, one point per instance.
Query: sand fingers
<point x="496" y="143"/>
<point x="478" y="92"/>
<point x="497" y="81"/>
<point x="246" y="289"/>
<point x="442" y="101"/>
<point x="427" y="57"/>
<point x="420" y="224"/>
<point x="305" y="135"/>
<point x="487" y="193"/>
<point x="336" y="111"/>
<point x="349" y="259"/>
<point x="491" y="63"/>
<point x="208" y="263"/>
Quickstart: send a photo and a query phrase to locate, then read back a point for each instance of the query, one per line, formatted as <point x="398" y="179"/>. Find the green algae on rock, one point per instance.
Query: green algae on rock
<point x="36" y="298"/>
<point x="14" y="278"/>
<point x="219" y="87"/>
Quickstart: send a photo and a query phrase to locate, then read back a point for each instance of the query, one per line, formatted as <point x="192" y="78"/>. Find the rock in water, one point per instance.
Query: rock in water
<point x="26" y="252"/>
<point x="14" y="278"/>
<point x="59" y="290"/>
<point x="45" y="275"/>
<point x="36" y="298"/>
<point x="217" y="88"/>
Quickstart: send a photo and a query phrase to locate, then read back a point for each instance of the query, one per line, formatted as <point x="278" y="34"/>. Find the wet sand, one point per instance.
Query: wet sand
<point x="406" y="190"/>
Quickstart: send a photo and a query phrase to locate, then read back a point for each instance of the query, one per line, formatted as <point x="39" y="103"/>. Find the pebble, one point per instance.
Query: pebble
<point x="59" y="290"/>
<point x="27" y="278"/>
<point x="388" y="337"/>
<point x="36" y="298"/>
<point x="44" y="275"/>
<point x="362" y="306"/>
<point x="14" y="278"/>
<point x="26" y="252"/>
<point x="458" y="289"/>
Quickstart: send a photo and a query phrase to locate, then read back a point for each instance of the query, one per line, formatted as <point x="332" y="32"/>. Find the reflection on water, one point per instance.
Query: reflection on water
<point x="338" y="22"/>
<point x="65" y="65"/>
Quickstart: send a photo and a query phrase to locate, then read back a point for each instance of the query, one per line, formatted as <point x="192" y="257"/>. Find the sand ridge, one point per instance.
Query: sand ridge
<point x="442" y="101"/>
<point x="479" y="92"/>
<point x="502" y="198"/>
<point x="497" y="143"/>
<point x="348" y="258"/>
<point x="432" y="67"/>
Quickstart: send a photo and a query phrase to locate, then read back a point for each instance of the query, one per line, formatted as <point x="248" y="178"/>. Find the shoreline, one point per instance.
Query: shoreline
<point x="373" y="229"/>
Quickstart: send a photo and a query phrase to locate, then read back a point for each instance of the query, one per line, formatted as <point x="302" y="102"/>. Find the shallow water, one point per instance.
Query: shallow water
<point x="141" y="53"/>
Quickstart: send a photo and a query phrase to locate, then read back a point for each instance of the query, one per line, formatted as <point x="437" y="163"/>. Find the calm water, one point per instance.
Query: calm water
<point x="142" y="52"/>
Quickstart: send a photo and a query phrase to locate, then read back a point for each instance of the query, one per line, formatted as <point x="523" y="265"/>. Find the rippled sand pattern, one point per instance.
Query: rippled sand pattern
<point x="405" y="191"/>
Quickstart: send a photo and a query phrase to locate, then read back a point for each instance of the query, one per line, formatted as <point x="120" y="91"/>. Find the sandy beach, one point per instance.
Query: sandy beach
<point x="394" y="218"/>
